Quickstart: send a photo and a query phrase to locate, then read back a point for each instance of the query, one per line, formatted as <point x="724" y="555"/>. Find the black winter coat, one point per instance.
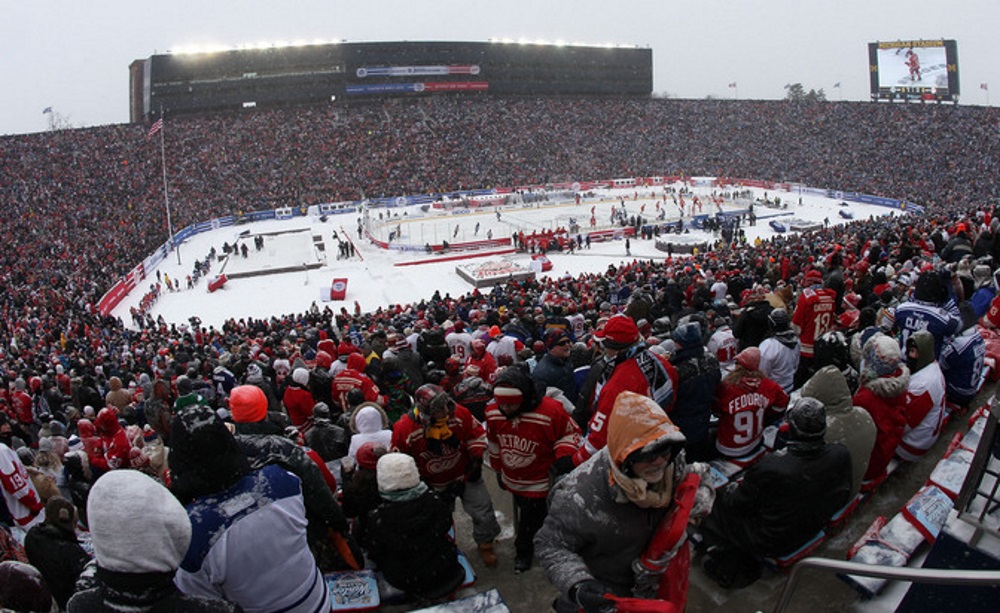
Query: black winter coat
<point x="784" y="499"/>
<point x="146" y="592"/>
<point x="409" y="542"/>
<point x="58" y="556"/>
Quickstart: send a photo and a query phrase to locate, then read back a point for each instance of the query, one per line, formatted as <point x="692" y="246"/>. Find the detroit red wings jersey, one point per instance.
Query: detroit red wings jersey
<point x="741" y="408"/>
<point x="814" y="315"/>
<point x="523" y="449"/>
<point x="438" y="470"/>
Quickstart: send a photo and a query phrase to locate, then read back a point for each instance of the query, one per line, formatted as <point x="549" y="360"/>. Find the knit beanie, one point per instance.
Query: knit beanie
<point x="881" y="356"/>
<point x="553" y="336"/>
<point x="22" y="588"/>
<point x="137" y="525"/>
<point x="749" y="358"/>
<point x="369" y="453"/>
<point x="806" y="420"/>
<point x="301" y="376"/>
<point x="396" y="472"/>
<point x="248" y="404"/>
<point x="620" y="332"/>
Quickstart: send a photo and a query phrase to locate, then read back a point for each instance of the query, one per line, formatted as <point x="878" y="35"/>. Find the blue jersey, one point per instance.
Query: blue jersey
<point x="916" y="315"/>
<point x="962" y="362"/>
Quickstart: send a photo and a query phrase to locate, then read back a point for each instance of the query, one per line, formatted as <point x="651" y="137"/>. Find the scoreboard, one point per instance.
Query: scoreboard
<point x="914" y="70"/>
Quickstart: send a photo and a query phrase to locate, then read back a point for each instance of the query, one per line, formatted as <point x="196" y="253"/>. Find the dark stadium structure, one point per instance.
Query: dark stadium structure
<point x="180" y="84"/>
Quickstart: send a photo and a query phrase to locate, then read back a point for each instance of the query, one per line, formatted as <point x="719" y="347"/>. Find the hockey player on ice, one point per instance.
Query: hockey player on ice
<point x="913" y="63"/>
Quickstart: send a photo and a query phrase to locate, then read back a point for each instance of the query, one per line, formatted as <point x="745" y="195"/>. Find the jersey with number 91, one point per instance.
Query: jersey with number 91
<point x="742" y="407"/>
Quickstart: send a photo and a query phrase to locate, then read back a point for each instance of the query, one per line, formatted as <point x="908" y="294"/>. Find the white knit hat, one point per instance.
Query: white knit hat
<point x="301" y="376"/>
<point x="136" y="524"/>
<point x="396" y="472"/>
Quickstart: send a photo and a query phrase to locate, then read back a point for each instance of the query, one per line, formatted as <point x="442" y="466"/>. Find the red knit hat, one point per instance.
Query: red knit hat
<point x="749" y="358"/>
<point x="368" y="455"/>
<point x="813" y="277"/>
<point x="248" y="404"/>
<point x="620" y="332"/>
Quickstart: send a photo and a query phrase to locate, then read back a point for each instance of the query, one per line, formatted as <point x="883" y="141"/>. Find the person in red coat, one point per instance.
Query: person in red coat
<point x="884" y="382"/>
<point x="448" y="444"/>
<point x="482" y="360"/>
<point x="528" y="436"/>
<point x="117" y="448"/>
<point x="354" y="378"/>
<point x="631" y="368"/>
<point x="298" y="400"/>
<point x="745" y="401"/>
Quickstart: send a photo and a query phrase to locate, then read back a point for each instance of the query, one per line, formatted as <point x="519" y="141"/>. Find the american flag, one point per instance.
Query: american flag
<point x="985" y="86"/>
<point x="153" y="129"/>
<point x="733" y="84"/>
<point x="836" y="85"/>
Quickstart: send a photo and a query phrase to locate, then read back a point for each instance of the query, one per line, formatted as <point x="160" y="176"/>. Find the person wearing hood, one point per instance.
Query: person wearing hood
<point x="117" y="447"/>
<point x="698" y="376"/>
<point x="297" y="399"/>
<point x="884" y="381"/>
<point x="529" y="436"/>
<point x="779" y="353"/>
<point x="52" y="548"/>
<point x="781" y="501"/>
<point x="629" y="485"/>
<point x="746" y="402"/>
<point x="448" y="444"/>
<point x="408" y="533"/>
<point x="925" y="397"/>
<point x="354" y="378"/>
<point x="140" y="534"/>
<point x="236" y="514"/>
<point x="369" y="424"/>
<point x="328" y="439"/>
<point x="847" y="424"/>
<point x="962" y="360"/>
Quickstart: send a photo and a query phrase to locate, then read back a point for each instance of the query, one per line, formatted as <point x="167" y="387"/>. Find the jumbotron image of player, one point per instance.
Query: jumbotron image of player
<point x="913" y="62"/>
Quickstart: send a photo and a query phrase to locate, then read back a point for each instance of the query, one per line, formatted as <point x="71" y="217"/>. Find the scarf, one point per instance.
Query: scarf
<point x="403" y="495"/>
<point x="643" y="494"/>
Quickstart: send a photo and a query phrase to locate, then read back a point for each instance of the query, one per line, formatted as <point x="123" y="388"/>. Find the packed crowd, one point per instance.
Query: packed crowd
<point x="407" y="404"/>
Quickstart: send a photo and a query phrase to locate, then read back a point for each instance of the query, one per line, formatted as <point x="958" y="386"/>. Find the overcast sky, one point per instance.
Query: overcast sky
<point x="73" y="56"/>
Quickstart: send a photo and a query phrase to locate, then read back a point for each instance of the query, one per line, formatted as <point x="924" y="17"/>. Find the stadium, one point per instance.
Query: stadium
<point x="96" y="217"/>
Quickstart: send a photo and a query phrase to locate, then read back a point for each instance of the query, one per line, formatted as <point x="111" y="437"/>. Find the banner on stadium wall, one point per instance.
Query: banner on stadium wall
<point x="338" y="290"/>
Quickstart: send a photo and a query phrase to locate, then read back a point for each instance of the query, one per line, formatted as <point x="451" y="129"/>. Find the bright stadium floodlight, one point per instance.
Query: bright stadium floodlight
<point x="523" y="41"/>
<point x="560" y="43"/>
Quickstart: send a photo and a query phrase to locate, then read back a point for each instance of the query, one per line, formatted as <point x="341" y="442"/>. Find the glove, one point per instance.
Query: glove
<point x="474" y="470"/>
<point x="500" y="482"/>
<point x="589" y="596"/>
<point x="563" y="465"/>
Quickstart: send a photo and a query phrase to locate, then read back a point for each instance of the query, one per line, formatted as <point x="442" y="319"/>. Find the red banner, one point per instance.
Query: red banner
<point x="338" y="291"/>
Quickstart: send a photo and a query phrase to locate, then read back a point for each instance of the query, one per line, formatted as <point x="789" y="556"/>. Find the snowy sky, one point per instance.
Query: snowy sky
<point x="74" y="56"/>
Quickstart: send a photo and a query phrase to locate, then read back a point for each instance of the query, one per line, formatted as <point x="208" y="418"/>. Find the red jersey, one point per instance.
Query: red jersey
<point x="349" y="380"/>
<point x="741" y="407"/>
<point x="299" y="404"/>
<point x="439" y="470"/>
<point x="522" y="449"/>
<point x="814" y="315"/>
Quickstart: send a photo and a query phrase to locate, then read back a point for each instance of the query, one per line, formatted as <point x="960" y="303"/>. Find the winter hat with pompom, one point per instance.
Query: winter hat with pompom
<point x="881" y="356"/>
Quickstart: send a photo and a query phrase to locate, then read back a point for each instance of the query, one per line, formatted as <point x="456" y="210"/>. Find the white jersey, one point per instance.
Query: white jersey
<point x="503" y="345"/>
<point x="724" y="346"/>
<point x="927" y="387"/>
<point x="460" y="344"/>
<point x="779" y="362"/>
<point x="578" y="324"/>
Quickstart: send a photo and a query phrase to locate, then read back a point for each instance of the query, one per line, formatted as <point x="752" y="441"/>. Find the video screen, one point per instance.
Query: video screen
<point x="914" y="70"/>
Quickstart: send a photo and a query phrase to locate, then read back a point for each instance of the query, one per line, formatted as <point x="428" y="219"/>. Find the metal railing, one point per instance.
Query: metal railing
<point x="983" y="578"/>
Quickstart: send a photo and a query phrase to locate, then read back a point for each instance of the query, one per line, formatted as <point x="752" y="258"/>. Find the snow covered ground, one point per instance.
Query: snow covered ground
<point x="375" y="279"/>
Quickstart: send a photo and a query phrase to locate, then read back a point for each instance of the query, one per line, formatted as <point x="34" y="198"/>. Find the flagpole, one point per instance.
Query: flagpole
<point x="166" y="194"/>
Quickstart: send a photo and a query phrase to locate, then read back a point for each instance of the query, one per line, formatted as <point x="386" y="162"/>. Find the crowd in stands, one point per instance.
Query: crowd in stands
<point x="878" y="309"/>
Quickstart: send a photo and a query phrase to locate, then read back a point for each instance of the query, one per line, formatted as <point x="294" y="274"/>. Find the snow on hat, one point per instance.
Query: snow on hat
<point x="255" y="374"/>
<point x="396" y="472"/>
<point x="553" y="336"/>
<point x="749" y="358"/>
<point x="368" y="455"/>
<point x="248" y="404"/>
<point x="301" y="376"/>
<point x="620" y="332"/>
<point x="688" y="334"/>
<point x="22" y="588"/>
<point x="806" y="419"/>
<point x="881" y="356"/>
<point x="779" y="320"/>
<point x="136" y="524"/>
